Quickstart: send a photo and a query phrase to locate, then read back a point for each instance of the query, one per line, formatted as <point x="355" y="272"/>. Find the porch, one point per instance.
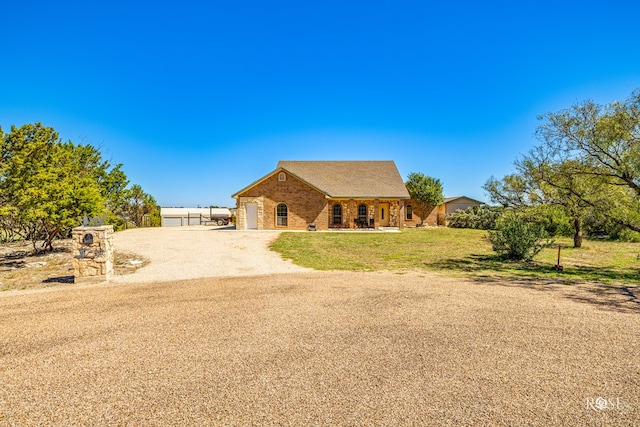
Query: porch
<point x="372" y="214"/>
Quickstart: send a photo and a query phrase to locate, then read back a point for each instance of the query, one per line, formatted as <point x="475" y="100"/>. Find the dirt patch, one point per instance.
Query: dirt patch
<point x="23" y="268"/>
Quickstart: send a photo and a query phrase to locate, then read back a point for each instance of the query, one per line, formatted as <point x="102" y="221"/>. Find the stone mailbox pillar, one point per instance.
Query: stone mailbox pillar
<point x="92" y="254"/>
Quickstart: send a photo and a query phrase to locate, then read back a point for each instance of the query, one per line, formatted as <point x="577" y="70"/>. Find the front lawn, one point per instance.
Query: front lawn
<point x="458" y="252"/>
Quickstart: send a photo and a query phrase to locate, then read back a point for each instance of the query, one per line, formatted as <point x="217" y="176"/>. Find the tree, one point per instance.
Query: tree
<point x="540" y="183"/>
<point x="602" y="146"/>
<point x="589" y="160"/>
<point x="46" y="185"/>
<point x="426" y="193"/>
<point x="138" y="205"/>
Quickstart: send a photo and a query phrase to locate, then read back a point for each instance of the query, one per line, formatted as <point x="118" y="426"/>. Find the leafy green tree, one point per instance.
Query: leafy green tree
<point x="552" y="218"/>
<point x="601" y="146"/>
<point x="139" y="205"/>
<point x="588" y="162"/>
<point x="539" y="183"/>
<point x="46" y="185"/>
<point x="426" y="192"/>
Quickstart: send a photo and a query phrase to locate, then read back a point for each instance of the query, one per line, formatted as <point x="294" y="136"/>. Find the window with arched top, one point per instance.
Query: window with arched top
<point x="281" y="215"/>
<point x="337" y="213"/>
<point x="409" y="211"/>
<point x="282" y="176"/>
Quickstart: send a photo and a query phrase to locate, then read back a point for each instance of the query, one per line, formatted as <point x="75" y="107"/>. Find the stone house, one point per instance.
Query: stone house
<point x="322" y="195"/>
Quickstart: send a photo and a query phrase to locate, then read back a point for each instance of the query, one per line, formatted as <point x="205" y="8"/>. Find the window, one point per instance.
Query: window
<point x="362" y="213"/>
<point x="282" y="176"/>
<point x="409" y="212"/>
<point x="337" y="214"/>
<point x="281" y="215"/>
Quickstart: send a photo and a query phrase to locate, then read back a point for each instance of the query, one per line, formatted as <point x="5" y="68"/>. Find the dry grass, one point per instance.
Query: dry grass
<point x="23" y="268"/>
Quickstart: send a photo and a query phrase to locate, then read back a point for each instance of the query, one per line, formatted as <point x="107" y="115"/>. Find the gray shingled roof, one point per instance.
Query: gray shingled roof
<point x="451" y="199"/>
<point x="350" y="179"/>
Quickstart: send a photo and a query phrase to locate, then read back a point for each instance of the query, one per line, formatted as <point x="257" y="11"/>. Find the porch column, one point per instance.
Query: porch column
<point x="350" y="217"/>
<point x="376" y="214"/>
<point x="401" y="214"/>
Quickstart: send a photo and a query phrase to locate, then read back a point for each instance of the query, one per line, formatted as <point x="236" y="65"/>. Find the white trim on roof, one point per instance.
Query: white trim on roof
<point x="186" y="211"/>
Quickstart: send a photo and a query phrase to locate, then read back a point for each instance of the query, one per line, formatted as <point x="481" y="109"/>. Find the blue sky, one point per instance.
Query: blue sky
<point x="199" y="99"/>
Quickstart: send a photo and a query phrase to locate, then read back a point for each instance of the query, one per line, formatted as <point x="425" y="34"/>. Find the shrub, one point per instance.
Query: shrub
<point x="553" y="219"/>
<point x="517" y="239"/>
<point x="477" y="217"/>
<point x="625" y="235"/>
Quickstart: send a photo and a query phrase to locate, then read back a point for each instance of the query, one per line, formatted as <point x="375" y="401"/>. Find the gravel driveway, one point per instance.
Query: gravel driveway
<point x="307" y="348"/>
<point x="197" y="252"/>
<point x="319" y="348"/>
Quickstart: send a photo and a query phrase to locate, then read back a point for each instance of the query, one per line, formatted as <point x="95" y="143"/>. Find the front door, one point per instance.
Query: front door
<point x="383" y="214"/>
<point x="251" y="211"/>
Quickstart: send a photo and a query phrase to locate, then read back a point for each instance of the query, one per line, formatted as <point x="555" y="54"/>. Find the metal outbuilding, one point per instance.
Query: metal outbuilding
<point x="178" y="217"/>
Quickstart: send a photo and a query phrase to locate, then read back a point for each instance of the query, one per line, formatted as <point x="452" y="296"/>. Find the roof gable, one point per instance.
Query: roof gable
<point x="452" y="199"/>
<point x="269" y="175"/>
<point x="344" y="179"/>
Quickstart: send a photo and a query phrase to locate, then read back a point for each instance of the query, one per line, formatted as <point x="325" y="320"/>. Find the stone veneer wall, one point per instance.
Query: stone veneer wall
<point x="241" y="213"/>
<point x="347" y="216"/>
<point x="350" y="211"/>
<point x="93" y="257"/>
<point x="394" y="211"/>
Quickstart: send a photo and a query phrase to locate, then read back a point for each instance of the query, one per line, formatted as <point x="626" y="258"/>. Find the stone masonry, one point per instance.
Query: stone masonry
<point x="93" y="254"/>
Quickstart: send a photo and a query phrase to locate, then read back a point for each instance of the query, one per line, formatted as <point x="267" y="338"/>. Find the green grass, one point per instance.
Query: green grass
<point x="459" y="252"/>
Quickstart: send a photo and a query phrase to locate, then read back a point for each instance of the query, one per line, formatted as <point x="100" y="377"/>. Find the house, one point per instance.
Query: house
<point x="438" y="215"/>
<point x="460" y="203"/>
<point x="302" y="195"/>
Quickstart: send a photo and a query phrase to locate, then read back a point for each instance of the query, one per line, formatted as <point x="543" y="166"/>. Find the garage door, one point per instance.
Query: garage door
<point x="252" y="216"/>
<point x="171" y="221"/>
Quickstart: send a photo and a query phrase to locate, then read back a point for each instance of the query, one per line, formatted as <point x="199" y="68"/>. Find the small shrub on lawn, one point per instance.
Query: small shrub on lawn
<point x="477" y="217"/>
<point x="517" y="239"/>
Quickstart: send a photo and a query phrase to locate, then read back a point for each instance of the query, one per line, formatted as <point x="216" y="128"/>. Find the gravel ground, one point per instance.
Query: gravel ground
<point x="315" y="348"/>
<point x="251" y="339"/>
<point x="195" y="252"/>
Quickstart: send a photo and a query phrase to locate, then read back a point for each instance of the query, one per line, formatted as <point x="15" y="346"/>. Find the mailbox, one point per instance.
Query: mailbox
<point x="93" y="254"/>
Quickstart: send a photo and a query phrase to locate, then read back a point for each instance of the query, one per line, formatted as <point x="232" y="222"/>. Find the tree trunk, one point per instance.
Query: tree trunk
<point x="577" y="237"/>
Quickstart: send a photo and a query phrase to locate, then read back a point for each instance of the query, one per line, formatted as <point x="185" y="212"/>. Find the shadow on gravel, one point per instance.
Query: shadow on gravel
<point x="222" y="228"/>
<point x="62" y="279"/>
<point x="606" y="288"/>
